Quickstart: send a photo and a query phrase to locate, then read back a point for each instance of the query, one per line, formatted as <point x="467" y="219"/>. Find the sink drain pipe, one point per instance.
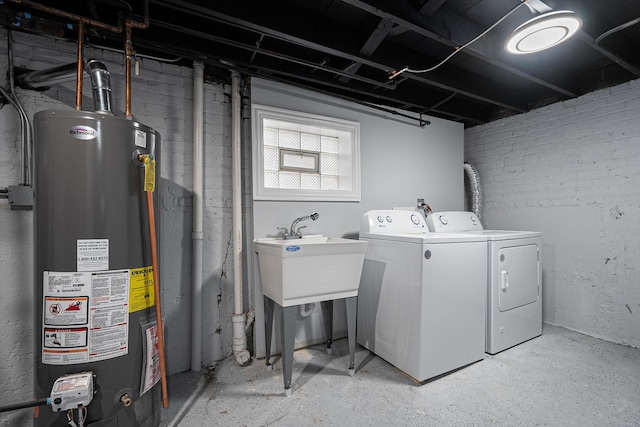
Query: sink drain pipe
<point x="239" y="318"/>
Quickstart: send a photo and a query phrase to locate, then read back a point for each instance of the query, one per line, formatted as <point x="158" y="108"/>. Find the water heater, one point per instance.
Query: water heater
<point x="93" y="267"/>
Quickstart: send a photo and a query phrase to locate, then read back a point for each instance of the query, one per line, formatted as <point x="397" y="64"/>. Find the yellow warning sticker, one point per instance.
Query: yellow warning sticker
<point x="149" y="173"/>
<point x="141" y="294"/>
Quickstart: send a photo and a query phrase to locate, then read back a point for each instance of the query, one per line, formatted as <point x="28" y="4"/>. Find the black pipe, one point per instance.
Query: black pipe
<point x="15" y="406"/>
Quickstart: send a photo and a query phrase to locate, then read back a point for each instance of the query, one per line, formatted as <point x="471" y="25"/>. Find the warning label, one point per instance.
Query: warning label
<point x="141" y="294"/>
<point x="64" y="357"/>
<point x="110" y="287"/>
<point x="66" y="310"/>
<point x="65" y="338"/>
<point x="96" y="304"/>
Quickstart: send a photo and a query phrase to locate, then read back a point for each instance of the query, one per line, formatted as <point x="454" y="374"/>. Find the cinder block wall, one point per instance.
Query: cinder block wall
<point x="572" y="171"/>
<point x="162" y="97"/>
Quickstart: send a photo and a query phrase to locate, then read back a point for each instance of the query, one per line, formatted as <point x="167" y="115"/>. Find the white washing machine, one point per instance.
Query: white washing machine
<point x="514" y="279"/>
<point x="422" y="295"/>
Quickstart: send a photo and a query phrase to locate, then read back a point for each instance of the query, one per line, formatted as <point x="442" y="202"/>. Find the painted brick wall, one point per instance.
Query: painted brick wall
<point x="572" y="171"/>
<point x="161" y="98"/>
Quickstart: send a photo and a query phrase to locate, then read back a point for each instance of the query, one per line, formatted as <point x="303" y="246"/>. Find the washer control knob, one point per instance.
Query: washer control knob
<point x="473" y="218"/>
<point x="380" y="218"/>
<point x="389" y="219"/>
<point x="415" y="219"/>
<point x="443" y="220"/>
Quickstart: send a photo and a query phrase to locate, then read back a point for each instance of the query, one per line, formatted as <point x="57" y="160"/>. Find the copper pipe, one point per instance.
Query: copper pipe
<point x="140" y="25"/>
<point x="79" y="73"/>
<point x="129" y="52"/>
<point x="156" y="290"/>
<point x="128" y="24"/>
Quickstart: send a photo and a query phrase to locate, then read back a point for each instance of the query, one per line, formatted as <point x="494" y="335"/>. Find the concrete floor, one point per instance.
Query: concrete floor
<point x="562" y="378"/>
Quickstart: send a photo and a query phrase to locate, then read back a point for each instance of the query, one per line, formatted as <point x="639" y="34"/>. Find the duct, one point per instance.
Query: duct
<point x="197" y="231"/>
<point x="101" y="83"/>
<point x="239" y="318"/>
<point x="40" y="79"/>
<point x="476" y="191"/>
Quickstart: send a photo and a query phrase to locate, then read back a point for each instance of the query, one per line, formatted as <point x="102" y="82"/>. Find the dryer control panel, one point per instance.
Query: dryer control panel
<point x="453" y="222"/>
<point x="393" y="221"/>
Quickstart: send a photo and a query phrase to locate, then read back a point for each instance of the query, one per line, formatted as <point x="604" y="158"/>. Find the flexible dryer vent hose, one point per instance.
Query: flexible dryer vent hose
<point x="476" y="191"/>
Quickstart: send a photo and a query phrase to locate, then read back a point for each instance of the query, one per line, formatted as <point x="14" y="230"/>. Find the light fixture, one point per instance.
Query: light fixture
<point x="543" y="32"/>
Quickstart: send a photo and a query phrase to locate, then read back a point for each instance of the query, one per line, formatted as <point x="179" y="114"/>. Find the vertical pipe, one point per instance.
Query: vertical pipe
<point x="25" y="124"/>
<point x="237" y="192"/>
<point x="197" y="233"/>
<point x="79" y="72"/>
<point x="239" y="318"/>
<point x="158" y="302"/>
<point x="128" y="52"/>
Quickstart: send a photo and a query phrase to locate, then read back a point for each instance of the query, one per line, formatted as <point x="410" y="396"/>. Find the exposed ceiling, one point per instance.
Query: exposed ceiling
<point x="349" y="48"/>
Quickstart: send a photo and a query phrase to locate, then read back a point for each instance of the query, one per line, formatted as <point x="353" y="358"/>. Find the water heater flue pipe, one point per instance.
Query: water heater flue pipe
<point x="239" y="318"/>
<point x="101" y="84"/>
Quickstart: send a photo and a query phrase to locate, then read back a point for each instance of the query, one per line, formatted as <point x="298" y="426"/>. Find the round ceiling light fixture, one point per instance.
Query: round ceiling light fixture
<point x="543" y="32"/>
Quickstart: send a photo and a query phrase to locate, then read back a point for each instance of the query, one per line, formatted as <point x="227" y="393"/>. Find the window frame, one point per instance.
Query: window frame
<point x="312" y="123"/>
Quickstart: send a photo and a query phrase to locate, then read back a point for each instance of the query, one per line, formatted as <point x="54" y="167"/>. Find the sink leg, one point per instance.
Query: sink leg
<point x="352" y="305"/>
<point x="289" y="325"/>
<point x="268" y="328"/>
<point x="327" y="318"/>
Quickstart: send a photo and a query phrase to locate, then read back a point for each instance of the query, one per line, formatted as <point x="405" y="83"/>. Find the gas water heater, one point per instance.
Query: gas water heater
<point x="93" y="267"/>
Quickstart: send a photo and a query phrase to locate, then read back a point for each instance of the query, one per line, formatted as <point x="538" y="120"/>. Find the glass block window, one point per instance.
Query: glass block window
<point x="300" y="156"/>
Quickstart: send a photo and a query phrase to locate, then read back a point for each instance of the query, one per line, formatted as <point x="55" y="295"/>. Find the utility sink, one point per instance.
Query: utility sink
<point x="311" y="269"/>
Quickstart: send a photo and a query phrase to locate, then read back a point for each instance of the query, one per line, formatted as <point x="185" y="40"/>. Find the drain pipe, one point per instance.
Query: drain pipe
<point x="239" y="318"/>
<point x="197" y="233"/>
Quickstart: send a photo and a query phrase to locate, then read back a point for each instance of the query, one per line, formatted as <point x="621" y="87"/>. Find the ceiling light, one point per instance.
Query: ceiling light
<point x="543" y="32"/>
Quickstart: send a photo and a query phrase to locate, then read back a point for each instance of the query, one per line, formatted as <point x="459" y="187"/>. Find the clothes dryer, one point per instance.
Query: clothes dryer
<point x="422" y="295"/>
<point x="514" y="279"/>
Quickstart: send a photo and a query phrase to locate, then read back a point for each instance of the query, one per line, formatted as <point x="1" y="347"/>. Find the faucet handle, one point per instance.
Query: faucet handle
<point x="297" y="232"/>
<point x="285" y="230"/>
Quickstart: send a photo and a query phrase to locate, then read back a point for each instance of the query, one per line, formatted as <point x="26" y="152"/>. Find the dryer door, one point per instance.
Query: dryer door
<point x="518" y="269"/>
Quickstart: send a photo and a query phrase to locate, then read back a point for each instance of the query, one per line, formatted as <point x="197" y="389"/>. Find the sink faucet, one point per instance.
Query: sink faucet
<point x="295" y="233"/>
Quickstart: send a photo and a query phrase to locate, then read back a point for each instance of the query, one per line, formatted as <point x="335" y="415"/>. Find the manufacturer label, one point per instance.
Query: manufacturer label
<point x="292" y="248"/>
<point x="83" y="132"/>
<point x="141" y="139"/>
